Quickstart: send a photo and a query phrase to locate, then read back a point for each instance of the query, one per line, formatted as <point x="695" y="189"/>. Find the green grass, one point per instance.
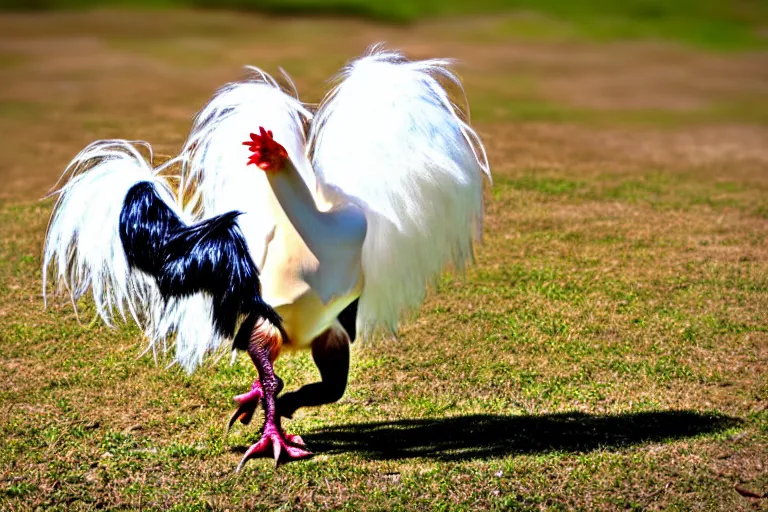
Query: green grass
<point x="607" y="351"/>
<point x="531" y="384"/>
<point x="656" y="189"/>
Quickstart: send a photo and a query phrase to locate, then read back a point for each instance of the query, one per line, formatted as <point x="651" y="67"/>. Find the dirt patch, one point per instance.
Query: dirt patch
<point x="623" y="150"/>
<point x="85" y="77"/>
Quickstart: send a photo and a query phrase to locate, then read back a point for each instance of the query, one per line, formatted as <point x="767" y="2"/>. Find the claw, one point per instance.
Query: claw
<point x="247" y="403"/>
<point x="295" y="440"/>
<point x="244" y="413"/>
<point x="281" y="445"/>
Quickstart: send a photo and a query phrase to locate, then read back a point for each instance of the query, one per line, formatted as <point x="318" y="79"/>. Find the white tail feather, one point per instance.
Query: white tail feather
<point x="389" y="139"/>
<point x="83" y="250"/>
<point x="83" y="241"/>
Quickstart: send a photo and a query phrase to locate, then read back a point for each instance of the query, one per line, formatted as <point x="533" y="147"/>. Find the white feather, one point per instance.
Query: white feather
<point x="84" y="250"/>
<point x="388" y="139"/>
<point x="216" y="160"/>
<point x="83" y="241"/>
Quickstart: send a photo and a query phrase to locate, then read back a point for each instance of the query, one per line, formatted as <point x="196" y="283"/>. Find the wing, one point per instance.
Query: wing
<point x="388" y="139"/>
<point x="215" y="177"/>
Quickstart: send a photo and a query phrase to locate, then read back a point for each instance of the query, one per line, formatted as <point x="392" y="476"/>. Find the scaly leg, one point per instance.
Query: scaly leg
<point x="263" y="348"/>
<point x="248" y="402"/>
<point x="330" y="351"/>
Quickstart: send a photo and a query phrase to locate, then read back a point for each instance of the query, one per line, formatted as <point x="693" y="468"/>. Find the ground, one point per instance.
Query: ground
<point x="608" y="350"/>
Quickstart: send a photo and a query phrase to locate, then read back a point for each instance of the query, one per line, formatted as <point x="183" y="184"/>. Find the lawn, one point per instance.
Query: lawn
<point x="609" y="350"/>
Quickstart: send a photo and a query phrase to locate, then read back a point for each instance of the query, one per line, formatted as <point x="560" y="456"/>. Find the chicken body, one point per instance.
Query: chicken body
<point x="312" y="267"/>
<point x="310" y="274"/>
<point x="364" y="201"/>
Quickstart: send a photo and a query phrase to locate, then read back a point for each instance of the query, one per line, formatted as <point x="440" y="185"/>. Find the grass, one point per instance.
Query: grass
<point x="606" y="352"/>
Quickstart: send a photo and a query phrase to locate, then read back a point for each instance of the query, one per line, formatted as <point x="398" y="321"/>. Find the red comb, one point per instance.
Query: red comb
<point x="267" y="154"/>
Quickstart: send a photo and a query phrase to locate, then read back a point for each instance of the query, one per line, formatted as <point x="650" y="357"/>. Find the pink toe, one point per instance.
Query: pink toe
<point x="277" y="446"/>
<point x="281" y="449"/>
<point x="254" y="450"/>
<point x="295" y="440"/>
<point x="294" y="452"/>
<point x="254" y="394"/>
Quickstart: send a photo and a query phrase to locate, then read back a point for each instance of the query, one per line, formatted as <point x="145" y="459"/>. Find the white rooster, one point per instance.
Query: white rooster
<point x="336" y="232"/>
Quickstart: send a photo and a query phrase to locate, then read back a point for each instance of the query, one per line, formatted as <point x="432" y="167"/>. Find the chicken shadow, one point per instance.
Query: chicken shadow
<point x="483" y="436"/>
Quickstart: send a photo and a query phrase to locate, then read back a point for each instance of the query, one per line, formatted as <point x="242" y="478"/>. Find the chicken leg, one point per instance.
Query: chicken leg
<point x="263" y="347"/>
<point x="330" y="352"/>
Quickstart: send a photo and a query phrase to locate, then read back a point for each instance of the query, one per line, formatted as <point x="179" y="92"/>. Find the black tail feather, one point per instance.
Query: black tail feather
<point x="146" y="223"/>
<point x="211" y="256"/>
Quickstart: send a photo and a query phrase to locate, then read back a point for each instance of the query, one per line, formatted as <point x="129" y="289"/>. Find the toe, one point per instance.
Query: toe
<point x="281" y="450"/>
<point x="244" y="413"/>
<point x="295" y="440"/>
<point x="254" y="395"/>
<point x="297" y="453"/>
<point x="277" y="448"/>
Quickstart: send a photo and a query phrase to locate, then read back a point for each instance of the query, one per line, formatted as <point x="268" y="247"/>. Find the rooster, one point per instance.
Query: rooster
<point x="277" y="227"/>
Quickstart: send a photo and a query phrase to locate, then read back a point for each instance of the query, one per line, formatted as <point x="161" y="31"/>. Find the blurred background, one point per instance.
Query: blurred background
<point x="608" y="351"/>
<point x="127" y="67"/>
<point x="714" y="23"/>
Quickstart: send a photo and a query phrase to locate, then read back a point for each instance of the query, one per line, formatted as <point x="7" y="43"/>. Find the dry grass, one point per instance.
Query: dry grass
<point x="608" y="350"/>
